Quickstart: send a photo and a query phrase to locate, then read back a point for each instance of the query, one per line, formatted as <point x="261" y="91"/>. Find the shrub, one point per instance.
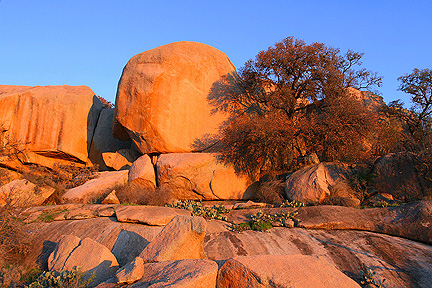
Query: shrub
<point x="143" y="194"/>
<point x="63" y="279"/>
<point x="262" y="221"/>
<point x="196" y="208"/>
<point x="271" y="191"/>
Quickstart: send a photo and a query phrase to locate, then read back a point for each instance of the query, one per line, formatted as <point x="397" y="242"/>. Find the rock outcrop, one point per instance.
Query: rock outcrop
<point x="282" y="271"/>
<point x="49" y="124"/>
<point x="402" y="262"/>
<point x="200" y="176"/>
<point x="161" y="101"/>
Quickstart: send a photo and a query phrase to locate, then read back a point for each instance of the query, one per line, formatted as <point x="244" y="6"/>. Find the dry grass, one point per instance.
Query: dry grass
<point x="15" y="243"/>
<point x="142" y="193"/>
<point x="270" y="190"/>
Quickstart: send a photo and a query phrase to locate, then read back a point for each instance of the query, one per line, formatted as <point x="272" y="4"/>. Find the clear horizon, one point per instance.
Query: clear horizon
<point x="47" y="42"/>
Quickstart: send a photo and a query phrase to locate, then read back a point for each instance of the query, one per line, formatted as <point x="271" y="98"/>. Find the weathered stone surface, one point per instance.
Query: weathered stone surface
<point x="182" y="273"/>
<point x="103" y="140"/>
<point x="131" y="273"/>
<point x="249" y="204"/>
<point x="115" y="161"/>
<point x="182" y="238"/>
<point x="312" y="184"/>
<point x="91" y="256"/>
<point x="200" y="176"/>
<point x="7" y="176"/>
<point x="23" y="193"/>
<point x="96" y="188"/>
<point x="64" y="248"/>
<point x="161" y="101"/>
<point x="149" y="215"/>
<point x="142" y="170"/>
<point x="49" y="123"/>
<point x="397" y="174"/>
<point x="128" y="246"/>
<point x="282" y="271"/>
<point x="404" y="263"/>
<point x="111" y="199"/>
<point x="412" y="221"/>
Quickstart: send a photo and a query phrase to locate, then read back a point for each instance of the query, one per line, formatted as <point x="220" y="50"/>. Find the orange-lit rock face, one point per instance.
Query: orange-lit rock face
<point x="50" y="122"/>
<point x="161" y="100"/>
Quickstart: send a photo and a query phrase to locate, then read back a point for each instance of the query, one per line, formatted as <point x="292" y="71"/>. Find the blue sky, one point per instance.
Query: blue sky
<point x="88" y="42"/>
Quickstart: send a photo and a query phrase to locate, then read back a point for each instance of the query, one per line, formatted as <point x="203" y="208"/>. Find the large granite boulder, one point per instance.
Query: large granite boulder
<point x="200" y="176"/>
<point x="49" y="124"/>
<point x="161" y="101"/>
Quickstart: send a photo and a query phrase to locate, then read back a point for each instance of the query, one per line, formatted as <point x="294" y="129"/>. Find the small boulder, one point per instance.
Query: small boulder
<point x="282" y="271"/>
<point x="111" y="198"/>
<point x="96" y="188"/>
<point x="131" y="273"/>
<point x="142" y="170"/>
<point x="115" y="161"/>
<point x="21" y="193"/>
<point x="313" y="184"/>
<point x="92" y="257"/>
<point x="182" y="238"/>
<point x="148" y="215"/>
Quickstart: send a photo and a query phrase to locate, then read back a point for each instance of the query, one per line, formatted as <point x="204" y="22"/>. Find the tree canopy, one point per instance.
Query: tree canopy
<point x="292" y="100"/>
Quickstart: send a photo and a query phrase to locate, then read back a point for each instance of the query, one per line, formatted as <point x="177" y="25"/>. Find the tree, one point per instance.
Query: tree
<point x="419" y="119"/>
<point x="290" y="96"/>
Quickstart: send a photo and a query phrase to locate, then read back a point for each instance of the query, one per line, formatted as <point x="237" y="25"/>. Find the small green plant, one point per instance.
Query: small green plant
<point x="362" y="183"/>
<point x="197" y="209"/>
<point x="293" y="203"/>
<point x="368" y="279"/>
<point x="65" y="279"/>
<point x="262" y="221"/>
<point x="49" y="216"/>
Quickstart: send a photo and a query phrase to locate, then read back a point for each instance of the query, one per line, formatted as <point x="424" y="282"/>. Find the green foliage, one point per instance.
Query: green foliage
<point x="262" y="221"/>
<point x="292" y="100"/>
<point x="49" y="216"/>
<point x="63" y="279"/>
<point x="293" y="203"/>
<point x="197" y="209"/>
<point x="362" y="182"/>
<point x="368" y="279"/>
